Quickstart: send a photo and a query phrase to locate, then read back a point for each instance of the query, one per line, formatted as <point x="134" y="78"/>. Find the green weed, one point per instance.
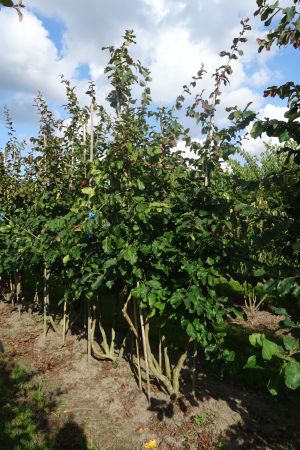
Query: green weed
<point x="200" y="419"/>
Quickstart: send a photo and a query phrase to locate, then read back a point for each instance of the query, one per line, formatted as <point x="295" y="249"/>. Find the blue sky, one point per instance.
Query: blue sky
<point x="56" y="30"/>
<point x="173" y="38"/>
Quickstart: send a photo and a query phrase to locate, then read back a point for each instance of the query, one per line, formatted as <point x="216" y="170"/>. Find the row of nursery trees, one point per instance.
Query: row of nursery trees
<point x="105" y="226"/>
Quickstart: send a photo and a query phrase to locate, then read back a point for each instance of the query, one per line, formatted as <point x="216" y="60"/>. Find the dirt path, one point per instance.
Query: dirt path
<point x="106" y="402"/>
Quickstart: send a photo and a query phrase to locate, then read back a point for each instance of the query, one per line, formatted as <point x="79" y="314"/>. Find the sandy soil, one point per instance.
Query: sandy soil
<point x="107" y="404"/>
<point x="262" y="321"/>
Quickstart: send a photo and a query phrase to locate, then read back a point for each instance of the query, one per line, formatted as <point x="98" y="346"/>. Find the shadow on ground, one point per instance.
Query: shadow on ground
<point x="70" y="437"/>
<point x="259" y="422"/>
<point x="24" y="415"/>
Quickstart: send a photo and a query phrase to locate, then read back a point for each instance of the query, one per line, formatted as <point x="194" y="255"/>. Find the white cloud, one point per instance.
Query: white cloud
<point x="174" y="60"/>
<point x="273" y="112"/>
<point x="29" y="60"/>
<point x="158" y="8"/>
<point x="173" y="38"/>
<point x="186" y="150"/>
<point x="256" y="146"/>
<point x="241" y="97"/>
<point x="261" y="77"/>
<point x="264" y="76"/>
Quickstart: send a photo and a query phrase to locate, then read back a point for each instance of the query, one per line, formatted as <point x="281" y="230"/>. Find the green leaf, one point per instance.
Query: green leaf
<point x="211" y="280"/>
<point x="191" y="331"/>
<point x="66" y="259"/>
<point x="266" y="12"/>
<point x="287" y="323"/>
<point x="88" y="191"/>
<point x="5" y="228"/>
<point x="256" y="339"/>
<point x="296" y="291"/>
<point x="137" y="272"/>
<point x="89" y="295"/>
<point x="154" y="284"/>
<point x="160" y="306"/>
<point x="140" y="292"/>
<point x="76" y="253"/>
<point x="176" y="299"/>
<point x="159" y="205"/>
<point x="130" y="255"/>
<point x="259" y="272"/>
<point x="97" y="283"/>
<point x="269" y="285"/>
<point x="284" y="136"/>
<point x="152" y="300"/>
<point x="297" y="25"/>
<point x="107" y="245"/>
<point x="290" y="13"/>
<point x="140" y="185"/>
<point x="210" y="261"/>
<point x="286" y="286"/>
<point x="109" y="263"/>
<point x="257" y="129"/>
<point x="274" y="384"/>
<point x="239" y="314"/>
<point x="19" y="14"/>
<point x="291" y="344"/>
<point x="8" y="3"/>
<point x="270" y="349"/>
<point x="280" y="311"/>
<point x="292" y="375"/>
<point x="246" y="210"/>
<point x="109" y="284"/>
<point x="252" y="363"/>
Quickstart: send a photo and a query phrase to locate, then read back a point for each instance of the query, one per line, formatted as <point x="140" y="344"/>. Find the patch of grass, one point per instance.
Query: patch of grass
<point x="200" y="419"/>
<point x="22" y="421"/>
<point x="24" y="413"/>
<point x="38" y="395"/>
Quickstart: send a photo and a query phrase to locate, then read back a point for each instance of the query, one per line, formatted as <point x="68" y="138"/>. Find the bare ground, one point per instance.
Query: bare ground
<point x="261" y="321"/>
<point x="107" y="404"/>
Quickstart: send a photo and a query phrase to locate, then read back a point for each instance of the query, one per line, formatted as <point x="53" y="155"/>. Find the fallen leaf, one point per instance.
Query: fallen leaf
<point x="150" y="444"/>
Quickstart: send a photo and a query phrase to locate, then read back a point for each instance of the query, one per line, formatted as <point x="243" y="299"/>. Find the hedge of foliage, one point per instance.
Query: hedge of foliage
<point x="106" y="220"/>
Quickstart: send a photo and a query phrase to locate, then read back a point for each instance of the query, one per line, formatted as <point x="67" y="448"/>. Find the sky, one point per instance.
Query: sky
<point x="174" y="37"/>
